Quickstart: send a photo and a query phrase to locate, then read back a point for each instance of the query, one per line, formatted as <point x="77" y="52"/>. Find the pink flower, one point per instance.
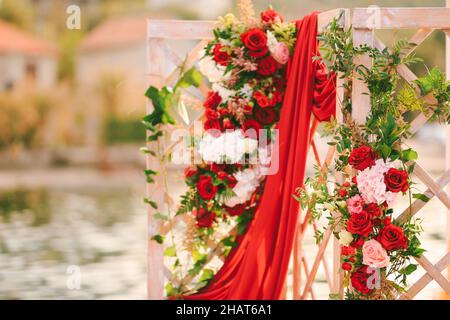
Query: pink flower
<point x="371" y="184"/>
<point x="355" y="204"/>
<point x="374" y="255"/>
<point x="281" y="53"/>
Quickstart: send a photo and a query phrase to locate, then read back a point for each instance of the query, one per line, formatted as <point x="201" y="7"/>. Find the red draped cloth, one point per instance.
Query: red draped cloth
<point x="256" y="269"/>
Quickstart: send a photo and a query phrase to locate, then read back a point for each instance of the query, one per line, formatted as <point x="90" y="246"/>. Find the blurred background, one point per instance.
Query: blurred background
<point x="71" y="100"/>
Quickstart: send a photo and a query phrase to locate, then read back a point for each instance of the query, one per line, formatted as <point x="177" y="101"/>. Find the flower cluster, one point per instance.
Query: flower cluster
<point x="372" y="243"/>
<point x="246" y="68"/>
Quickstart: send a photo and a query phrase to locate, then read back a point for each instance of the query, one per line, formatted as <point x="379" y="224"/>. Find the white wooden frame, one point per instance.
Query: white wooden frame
<point x="426" y="19"/>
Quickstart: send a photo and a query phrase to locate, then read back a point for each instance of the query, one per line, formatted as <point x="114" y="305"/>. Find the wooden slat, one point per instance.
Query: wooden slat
<point x="360" y="98"/>
<point x="447" y="157"/>
<point x="419" y="204"/>
<point x="305" y="265"/>
<point x="155" y="253"/>
<point x="315" y="267"/>
<point x="403" y="18"/>
<point x="196" y="30"/>
<point x="180" y="29"/>
<point x="433" y="185"/>
<point x="434" y="273"/>
<point x="425" y="279"/>
<point x="420" y="36"/>
<point x="324" y="18"/>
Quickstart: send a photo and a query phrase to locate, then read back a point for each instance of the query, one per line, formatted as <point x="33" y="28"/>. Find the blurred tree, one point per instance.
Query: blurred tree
<point x="20" y="13"/>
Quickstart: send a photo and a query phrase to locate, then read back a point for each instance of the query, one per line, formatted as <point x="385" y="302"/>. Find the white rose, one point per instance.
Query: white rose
<point x="345" y="237"/>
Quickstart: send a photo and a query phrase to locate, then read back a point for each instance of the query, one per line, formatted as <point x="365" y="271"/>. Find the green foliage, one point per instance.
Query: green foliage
<point x="158" y="238"/>
<point x="118" y="130"/>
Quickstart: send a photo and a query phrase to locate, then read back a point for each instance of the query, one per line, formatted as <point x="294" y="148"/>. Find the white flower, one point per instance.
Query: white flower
<point x="272" y="42"/>
<point x="345" y="237"/>
<point x="210" y="69"/>
<point x="223" y="92"/>
<point x="248" y="181"/>
<point x="371" y="183"/>
<point x="246" y="91"/>
<point x="230" y="146"/>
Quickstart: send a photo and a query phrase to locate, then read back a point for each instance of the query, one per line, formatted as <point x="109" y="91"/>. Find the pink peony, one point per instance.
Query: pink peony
<point x="355" y="204"/>
<point x="374" y="255"/>
<point x="281" y="53"/>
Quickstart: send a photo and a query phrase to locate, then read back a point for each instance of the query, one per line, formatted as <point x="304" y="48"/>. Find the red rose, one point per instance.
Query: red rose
<point x="276" y="98"/>
<point x="267" y="66"/>
<point x="346" y="184"/>
<point x="359" y="280"/>
<point x="212" y="100"/>
<point x="346" y="266"/>
<point x="271" y="16"/>
<point x="206" y="189"/>
<point x="355" y="182"/>
<point x="392" y="237"/>
<point x="362" y="158"/>
<point x="223" y="112"/>
<point x="255" y="40"/>
<point x="204" y="218"/>
<point x="213" y="126"/>
<point x="231" y="181"/>
<point x="357" y="243"/>
<point x="248" y="109"/>
<point x="251" y="128"/>
<point x="259" y="54"/>
<point x="190" y="172"/>
<point x="387" y="221"/>
<point x="211" y="114"/>
<point x="228" y="124"/>
<point x="216" y="168"/>
<point x="396" y="180"/>
<point x="373" y="210"/>
<point x="222" y="175"/>
<point x="265" y="116"/>
<point x="221" y="55"/>
<point x="360" y="223"/>
<point x="342" y="192"/>
<point x="261" y="99"/>
<point x="236" y="210"/>
<point x="347" y="251"/>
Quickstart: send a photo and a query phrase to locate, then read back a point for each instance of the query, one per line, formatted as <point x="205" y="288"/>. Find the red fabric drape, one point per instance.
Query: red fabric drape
<point x="257" y="267"/>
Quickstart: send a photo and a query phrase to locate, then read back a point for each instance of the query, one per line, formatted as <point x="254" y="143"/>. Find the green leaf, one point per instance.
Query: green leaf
<point x="161" y="100"/>
<point x="229" y="241"/>
<point x="207" y="275"/>
<point x="146" y="150"/>
<point x="158" y="238"/>
<point x="152" y="203"/>
<point x="409" y="155"/>
<point x="192" y="77"/>
<point x="170" y="290"/>
<point x="160" y="216"/>
<point x="421" y="197"/>
<point x="431" y="81"/>
<point x="155" y="136"/>
<point x="408" y="269"/>
<point x="385" y="151"/>
<point x="170" y="252"/>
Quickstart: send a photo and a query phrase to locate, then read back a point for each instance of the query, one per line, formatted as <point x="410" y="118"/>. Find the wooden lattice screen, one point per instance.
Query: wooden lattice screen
<point x="364" y="21"/>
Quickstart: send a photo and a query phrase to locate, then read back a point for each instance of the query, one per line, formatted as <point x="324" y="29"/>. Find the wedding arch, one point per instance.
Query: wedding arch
<point x="162" y="63"/>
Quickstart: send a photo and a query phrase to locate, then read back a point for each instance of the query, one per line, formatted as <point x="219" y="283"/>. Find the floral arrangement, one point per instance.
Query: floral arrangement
<point x="373" y="168"/>
<point x="245" y="64"/>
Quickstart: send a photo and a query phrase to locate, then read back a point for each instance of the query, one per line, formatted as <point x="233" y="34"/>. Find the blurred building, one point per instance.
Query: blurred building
<point x="116" y="47"/>
<point x="25" y="58"/>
